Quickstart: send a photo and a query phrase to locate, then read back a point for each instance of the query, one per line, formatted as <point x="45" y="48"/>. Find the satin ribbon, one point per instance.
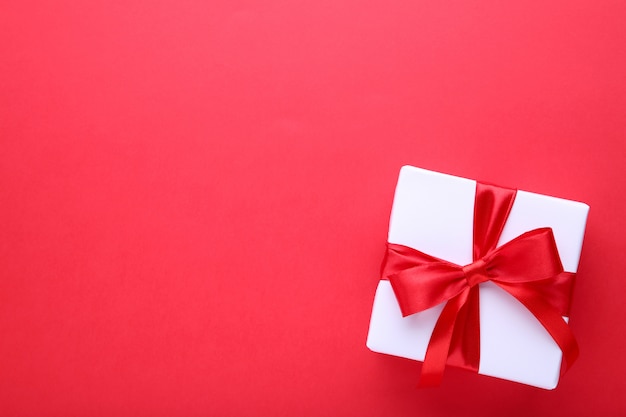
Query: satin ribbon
<point x="528" y="267"/>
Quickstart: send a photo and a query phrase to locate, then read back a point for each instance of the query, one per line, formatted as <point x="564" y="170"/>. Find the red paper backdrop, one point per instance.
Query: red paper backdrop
<point x="194" y="195"/>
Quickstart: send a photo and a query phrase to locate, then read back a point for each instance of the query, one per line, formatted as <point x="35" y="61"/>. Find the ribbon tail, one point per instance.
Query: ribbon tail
<point x="439" y="344"/>
<point x="465" y="348"/>
<point x="552" y="321"/>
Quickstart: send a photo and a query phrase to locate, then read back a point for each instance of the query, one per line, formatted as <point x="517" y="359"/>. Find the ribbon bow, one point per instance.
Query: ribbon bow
<point x="528" y="267"/>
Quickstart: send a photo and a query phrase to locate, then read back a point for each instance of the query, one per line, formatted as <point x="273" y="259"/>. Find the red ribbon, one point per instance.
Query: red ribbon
<point x="528" y="267"/>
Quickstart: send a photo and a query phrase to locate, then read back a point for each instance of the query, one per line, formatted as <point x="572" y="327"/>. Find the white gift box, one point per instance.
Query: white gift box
<point x="434" y="213"/>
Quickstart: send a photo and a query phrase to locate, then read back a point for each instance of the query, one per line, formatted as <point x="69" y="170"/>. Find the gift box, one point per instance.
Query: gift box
<point x="434" y="213"/>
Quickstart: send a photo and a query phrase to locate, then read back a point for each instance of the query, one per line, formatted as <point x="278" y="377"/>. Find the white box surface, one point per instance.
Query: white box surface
<point x="434" y="213"/>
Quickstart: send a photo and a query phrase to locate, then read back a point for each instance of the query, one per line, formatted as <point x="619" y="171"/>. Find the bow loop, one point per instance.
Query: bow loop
<point x="424" y="286"/>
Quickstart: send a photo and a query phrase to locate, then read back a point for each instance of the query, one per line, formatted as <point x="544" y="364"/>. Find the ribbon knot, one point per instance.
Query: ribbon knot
<point x="528" y="267"/>
<point x="475" y="273"/>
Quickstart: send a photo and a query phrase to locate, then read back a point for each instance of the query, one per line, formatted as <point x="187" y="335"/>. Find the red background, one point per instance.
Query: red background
<point x="194" y="196"/>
